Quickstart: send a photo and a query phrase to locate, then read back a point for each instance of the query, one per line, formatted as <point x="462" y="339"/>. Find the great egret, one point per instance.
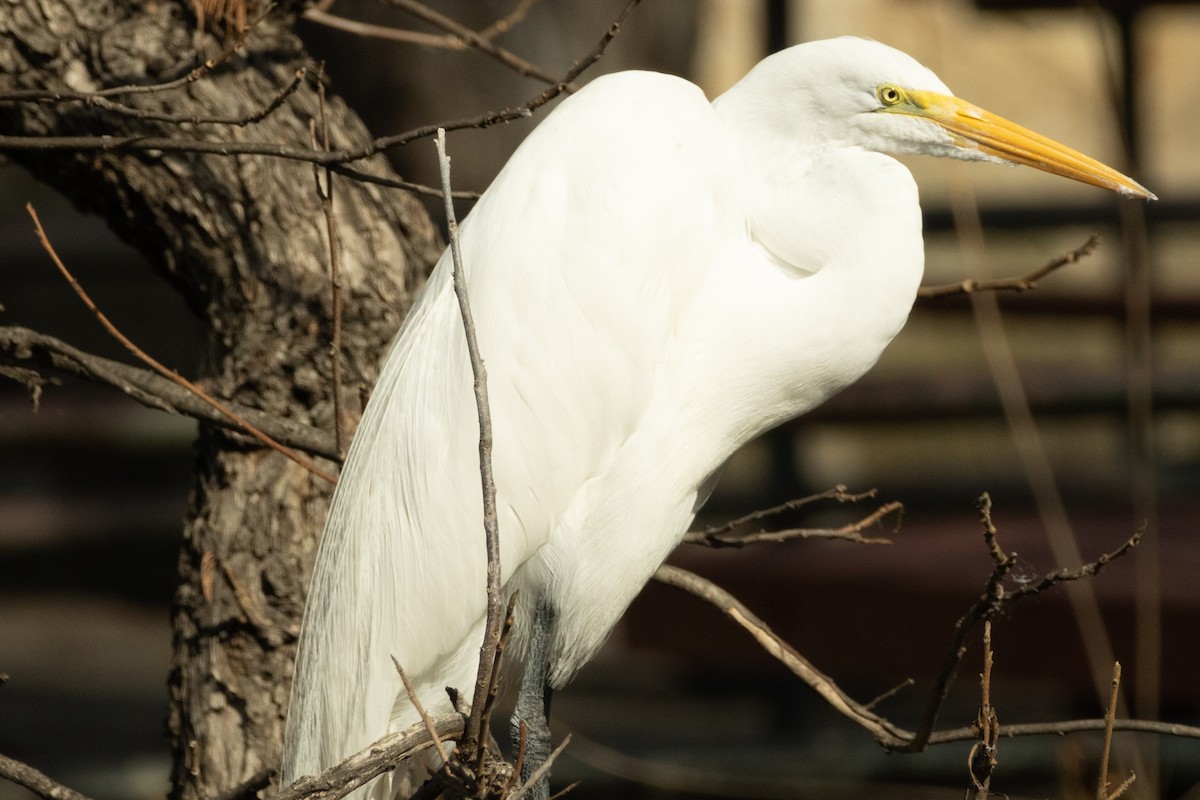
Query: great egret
<point x="655" y="280"/>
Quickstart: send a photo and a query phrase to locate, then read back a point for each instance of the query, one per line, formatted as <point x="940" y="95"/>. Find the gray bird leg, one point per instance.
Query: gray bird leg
<point x="533" y="702"/>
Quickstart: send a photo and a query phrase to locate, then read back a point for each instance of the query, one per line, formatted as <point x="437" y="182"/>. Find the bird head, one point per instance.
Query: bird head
<point x="857" y="92"/>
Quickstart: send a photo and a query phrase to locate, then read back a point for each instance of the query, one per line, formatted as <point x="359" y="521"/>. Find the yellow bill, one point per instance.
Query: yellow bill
<point x="991" y="134"/>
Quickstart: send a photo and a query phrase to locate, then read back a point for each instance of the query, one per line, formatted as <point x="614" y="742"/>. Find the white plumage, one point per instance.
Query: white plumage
<point x="655" y="280"/>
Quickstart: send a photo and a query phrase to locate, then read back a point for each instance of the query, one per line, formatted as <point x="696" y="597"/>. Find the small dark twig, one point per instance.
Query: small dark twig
<point x="249" y="788"/>
<point x="892" y="737"/>
<point x="167" y="144"/>
<point x="193" y="75"/>
<point x="371" y="762"/>
<point x="447" y="41"/>
<point x="491" y="637"/>
<point x="726" y="535"/>
<point x="416" y="701"/>
<point x="35" y="781"/>
<point x="399" y="183"/>
<point x="982" y="760"/>
<point x="781" y="650"/>
<point x="475" y="40"/>
<point x="967" y="732"/>
<point x="493" y="691"/>
<point x="541" y="771"/>
<point x="145" y="358"/>
<point x="1110" y="716"/>
<point x="907" y="683"/>
<point x="24" y="346"/>
<point x="1017" y="284"/>
<point x="325" y="194"/>
<point x="241" y="121"/>
<point x="994" y="600"/>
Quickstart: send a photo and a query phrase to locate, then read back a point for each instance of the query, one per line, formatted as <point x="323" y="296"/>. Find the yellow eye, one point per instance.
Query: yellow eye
<point x="889" y="95"/>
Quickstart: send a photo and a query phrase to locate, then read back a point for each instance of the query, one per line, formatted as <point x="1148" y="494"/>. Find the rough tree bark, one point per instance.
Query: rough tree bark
<point x="243" y="238"/>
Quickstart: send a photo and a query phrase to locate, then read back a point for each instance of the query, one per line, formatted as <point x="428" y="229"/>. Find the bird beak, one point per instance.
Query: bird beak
<point x="975" y="128"/>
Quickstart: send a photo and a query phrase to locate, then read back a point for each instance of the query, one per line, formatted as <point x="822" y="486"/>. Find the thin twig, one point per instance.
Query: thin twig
<point x="320" y="157"/>
<point x="491" y="636"/>
<point x="1123" y="786"/>
<point x="241" y="121"/>
<point x="967" y="732"/>
<point x="372" y="761"/>
<point x="321" y="16"/>
<point x="145" y="358"/>
<point x="522" y="738"/>
<point x="1032" y="454"/>
<point x="398" y="183"/>
<point x="69" y="96"/>
<point x="475" y="40"/>
<point x="325" y="193"/>
<point x="542" y="770"/>
<point x="389" y="33"/>
<point x="982" y="759"/>
<point x="907" y="683"/>
<point x="1018" y="284"/>
<point x="733" y="608"/>
<point x="509" y="20"/>
<point x="416" y="701"/>
<point x="489" y="703"/>
<point x="1110" y="716"/>
<point x="36" y="781"/>
<point x="851" y="532"/>
<point x="24" y="346"/>
<point x="249" y="789"/>
<point x="993" y="601"/>
<point x="839" y="493"/>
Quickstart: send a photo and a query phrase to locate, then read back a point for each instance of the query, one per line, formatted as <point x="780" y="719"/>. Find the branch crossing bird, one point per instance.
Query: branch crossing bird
<point x="655" y="280"/>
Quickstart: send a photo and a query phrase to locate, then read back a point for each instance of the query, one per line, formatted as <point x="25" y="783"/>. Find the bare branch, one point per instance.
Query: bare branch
<point x="1110" y="716"/>
<point x="475" y="40"/>
<point x="982" y="760"/>
<point x="994" y="600"/>
<point x="491" y="636"/>
<point x="371" y="30"/>
<point x="145" y="358"/>
<point x="880" y="727"/>
<point x="325" y="193"/>
<point x="725" y="536"/>
<point x="165" y="144"/>
<point x="35" y="781"/>
<point x="967" y="733"/>
<point x="398" y="183"/>
<point x="1017" y="284"/>
<point x="383" y="756"/>
<point x="240" y="121"/>
<point x="24" y="346"/>
<point x="839" y="493"/>
<point x="416" y="701"/>
<point x="321" y="16"/>
<point x="249" y="788"/>
<point x="63" y="96"/>
<point x="509" y="20"/>
<point x="541" y="771"/>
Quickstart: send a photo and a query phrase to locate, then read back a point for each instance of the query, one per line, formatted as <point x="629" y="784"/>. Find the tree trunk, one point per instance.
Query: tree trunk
<point x="243" y="238"/>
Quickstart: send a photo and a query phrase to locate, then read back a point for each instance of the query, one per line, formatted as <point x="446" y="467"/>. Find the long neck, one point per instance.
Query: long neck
<point x="808" y="302"/>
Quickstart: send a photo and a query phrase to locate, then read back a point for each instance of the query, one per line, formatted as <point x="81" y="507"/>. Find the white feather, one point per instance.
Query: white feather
<point x="655" y="280"/>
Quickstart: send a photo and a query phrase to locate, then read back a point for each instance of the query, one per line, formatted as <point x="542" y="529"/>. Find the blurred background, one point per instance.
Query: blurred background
<point x="1076" y="406"/>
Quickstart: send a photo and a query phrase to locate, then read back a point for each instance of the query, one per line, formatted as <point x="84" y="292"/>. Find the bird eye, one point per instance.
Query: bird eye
<point x="889" y="95"/>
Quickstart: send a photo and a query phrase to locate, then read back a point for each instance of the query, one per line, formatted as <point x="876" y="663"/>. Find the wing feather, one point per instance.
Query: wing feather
<point x="577" y="275"/>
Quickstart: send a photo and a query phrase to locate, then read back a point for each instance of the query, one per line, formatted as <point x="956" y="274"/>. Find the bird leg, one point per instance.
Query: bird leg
<point x="533" y="702"/>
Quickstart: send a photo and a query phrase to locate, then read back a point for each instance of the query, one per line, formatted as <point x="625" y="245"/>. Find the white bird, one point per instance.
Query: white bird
<point x="655" y="280"/>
